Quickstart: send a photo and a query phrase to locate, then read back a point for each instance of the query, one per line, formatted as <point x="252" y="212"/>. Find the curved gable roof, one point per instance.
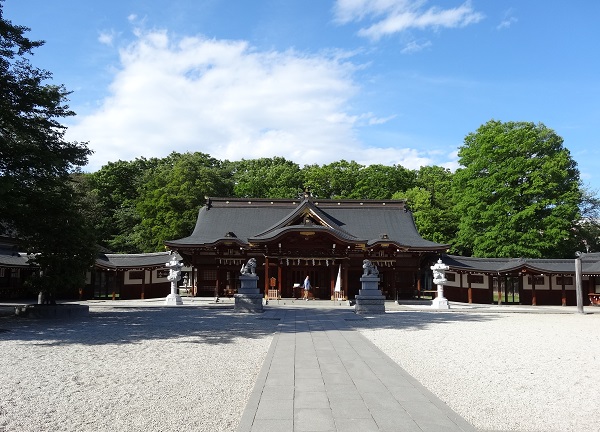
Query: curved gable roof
<point x="242" y="221"/>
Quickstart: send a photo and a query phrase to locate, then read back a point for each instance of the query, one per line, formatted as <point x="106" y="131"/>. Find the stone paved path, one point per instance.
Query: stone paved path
<point x="321" y="375"/>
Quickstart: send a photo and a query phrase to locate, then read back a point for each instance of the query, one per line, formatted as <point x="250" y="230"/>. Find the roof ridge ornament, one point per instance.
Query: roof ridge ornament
<point x="305" y="195"/>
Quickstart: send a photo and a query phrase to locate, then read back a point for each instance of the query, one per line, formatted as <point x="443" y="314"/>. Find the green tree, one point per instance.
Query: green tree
<point x="335" y="180"/>
<point x="266" y="178"/>
<point x="63" y="240"/>
<point x="115" y="191"/>
<point x="432" y="204"/>
<point x="37" y="197"/>
<point x="382" y="181"/>
<point x="517" y="193"/>
<point x="172" y="194"/>
<point x="587" y="233"/>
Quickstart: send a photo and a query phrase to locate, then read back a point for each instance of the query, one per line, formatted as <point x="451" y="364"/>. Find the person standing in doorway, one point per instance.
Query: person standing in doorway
<point x="306" y="288"/>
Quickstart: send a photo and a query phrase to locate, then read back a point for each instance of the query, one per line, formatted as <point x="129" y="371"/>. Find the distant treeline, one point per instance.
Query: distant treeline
<point x="517" y="193"/>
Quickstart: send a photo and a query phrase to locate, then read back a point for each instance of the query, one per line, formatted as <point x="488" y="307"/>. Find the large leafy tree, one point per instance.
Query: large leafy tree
<point x="334" y="180"/>
<point x="517" y="192"/>
<point x="171" y="195"/>
<point x="274" y="177"/>
<point x="587" y="234"/>
<point x="382" y="181"/>
<point x="37" y="197"/>
<point x="114" y="189"/>
<point x="432" y="204"/>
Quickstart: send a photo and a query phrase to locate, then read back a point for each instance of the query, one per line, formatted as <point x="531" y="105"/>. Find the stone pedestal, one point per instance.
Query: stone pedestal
<point x="440" y="302"/>
<point x="248" y="298"/>
<point x="370" y="300"/>
<point x="173" y="300"/>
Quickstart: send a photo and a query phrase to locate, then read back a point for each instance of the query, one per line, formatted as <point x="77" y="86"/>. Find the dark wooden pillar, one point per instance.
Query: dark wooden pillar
<point x="279" y="277"/>
<point x="563" y="291"/>
<point x="469" y="288"/>
<point x="143" y="293"/>
<point x="345" y="286"/>
<point x="533" y="295"/>
<point x="217" y="282"/>
<point x="266" y="275"/>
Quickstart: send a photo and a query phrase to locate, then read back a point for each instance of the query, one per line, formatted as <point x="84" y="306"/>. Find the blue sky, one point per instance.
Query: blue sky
<point x="316" y="81"/>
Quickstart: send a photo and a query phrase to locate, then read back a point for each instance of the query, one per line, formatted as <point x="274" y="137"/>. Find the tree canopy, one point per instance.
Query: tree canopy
<point x="38" y="199"/>
<point x="518" y="192"/>
<point x="171" y="194"/>
<point x="516" y="173"/>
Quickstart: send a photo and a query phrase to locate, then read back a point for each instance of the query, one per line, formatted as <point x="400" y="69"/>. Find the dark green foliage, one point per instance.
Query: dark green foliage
<point x="171" y="195"/>
<point x="432" y="204"/>
<point x="266" y="178"/>
<point x="37" y="196"/>
<point x="115" y="189"/>
<point x="335" y="180"/>
<point x="518" y="193"/>
<point x="381" y="181"/>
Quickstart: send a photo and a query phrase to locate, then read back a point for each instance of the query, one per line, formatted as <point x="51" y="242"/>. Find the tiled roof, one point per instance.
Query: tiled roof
<point x="353" y="221"/>
<point x="590" y="264"/>
<point x="11" y="258"/>
<point x="134" y="261"/>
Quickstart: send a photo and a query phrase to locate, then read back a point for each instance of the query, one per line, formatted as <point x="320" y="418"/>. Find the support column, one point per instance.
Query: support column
<point x="469" y="289"/>
<point x="266" y="275"/>
<point x="279" y="277"/>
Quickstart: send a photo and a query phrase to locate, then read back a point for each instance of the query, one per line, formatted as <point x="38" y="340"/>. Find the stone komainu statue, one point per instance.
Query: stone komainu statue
<point x="249" y="267"/>
<point x="369" y="269"/>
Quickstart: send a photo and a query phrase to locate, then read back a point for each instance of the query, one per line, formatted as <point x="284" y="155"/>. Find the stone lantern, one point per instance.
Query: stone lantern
<point x="439" y="279"/>
<point x="174" y="276"/>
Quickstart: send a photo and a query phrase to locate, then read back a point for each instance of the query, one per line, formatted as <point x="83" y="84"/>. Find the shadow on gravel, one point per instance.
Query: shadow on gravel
<point x="411" y="320"/>
<point x="206" y="325"/>
<point x="132" y="325"/>
<point x="416" y="320"/>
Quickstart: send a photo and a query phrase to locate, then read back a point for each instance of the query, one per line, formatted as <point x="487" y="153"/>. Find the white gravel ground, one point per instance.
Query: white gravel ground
<point x="193" y="368"/>
<point x="127" y="369"/>
<point x="501" y="372"/>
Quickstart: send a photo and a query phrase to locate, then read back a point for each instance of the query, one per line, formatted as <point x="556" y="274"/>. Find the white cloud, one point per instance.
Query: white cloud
<point x="414" y="46"/>
<point x="508" y="20"/>
<point x="389" y="16"/>
<point x="107" y="37"/>
<point x="231" y="101"/>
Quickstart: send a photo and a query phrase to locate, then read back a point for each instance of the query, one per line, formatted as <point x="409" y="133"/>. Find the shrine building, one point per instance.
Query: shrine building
<point x="291" y="239"/>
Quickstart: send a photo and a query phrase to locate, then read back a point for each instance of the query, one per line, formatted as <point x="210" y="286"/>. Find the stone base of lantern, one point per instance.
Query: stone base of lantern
<point x="173" y="300"/>
<point x="440" y="303"/>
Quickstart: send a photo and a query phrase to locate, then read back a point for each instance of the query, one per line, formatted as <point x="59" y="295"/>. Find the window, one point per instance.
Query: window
<point x="136" y="275"/>
<point x="539" y="280"/>
<point x="567" y="280"/>
<point x="476" y="279"/>
<point x="451" y="277"/>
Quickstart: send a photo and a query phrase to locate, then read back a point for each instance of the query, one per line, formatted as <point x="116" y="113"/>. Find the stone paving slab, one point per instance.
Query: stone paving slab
<point x="321" y="375"/>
